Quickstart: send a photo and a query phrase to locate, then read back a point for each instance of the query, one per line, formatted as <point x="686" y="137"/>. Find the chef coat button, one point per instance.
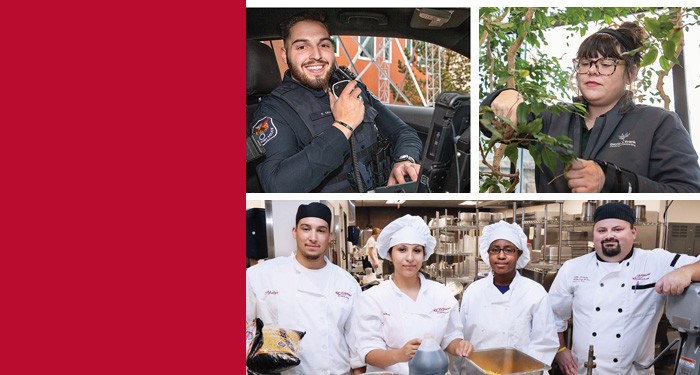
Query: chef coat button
<point x="594" y="358"/>
<point x="597" y="309"/>
<point x="595" y="334"/>
<point x="623" y="285"/>
<point x="628" y="264"/>
<point x="601" y="284"/>
<point x="618" y="335"/>
<point x="615" y="360"/>
<point x="619" y="310"/>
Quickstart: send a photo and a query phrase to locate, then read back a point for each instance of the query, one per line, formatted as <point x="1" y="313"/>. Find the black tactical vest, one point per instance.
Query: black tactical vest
<point x="316" y="113"/>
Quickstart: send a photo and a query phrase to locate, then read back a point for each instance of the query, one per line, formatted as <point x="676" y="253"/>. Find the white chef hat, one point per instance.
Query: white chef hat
<point x="504" y="231"/>
<point x="409" y="230"/>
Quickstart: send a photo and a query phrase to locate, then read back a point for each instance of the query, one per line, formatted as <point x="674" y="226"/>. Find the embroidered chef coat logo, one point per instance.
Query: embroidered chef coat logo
<point x="386" y="314"/>
<point x="623" y="141"/>
<point x="442" y="310"/>
<point x="641" y="276"/>
<point x="345" y="295"/>
<point x="265" y="130"/>
<point x="271" y="292"/>
<point x="581" y="279"/>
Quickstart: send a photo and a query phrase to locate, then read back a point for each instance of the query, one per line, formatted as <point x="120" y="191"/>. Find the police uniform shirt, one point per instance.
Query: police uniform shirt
<point x="298" y="161"/>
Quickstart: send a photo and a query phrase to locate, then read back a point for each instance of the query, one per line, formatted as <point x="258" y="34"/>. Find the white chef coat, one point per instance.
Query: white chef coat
<point x="371" y="242"/>
<point x="615" y="307"/>
<point x="386" y="318"/>
<point x="519" y="318"/>
<point x="279" y="293"/>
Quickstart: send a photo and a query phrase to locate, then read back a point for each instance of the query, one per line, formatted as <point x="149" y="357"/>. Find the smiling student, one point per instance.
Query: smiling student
<point x="621" y="146"/>
<point x="308" y="293"/>
<point x="505" y="309"/>
<point x="616" y="296"/>
<point x="392" y="318"/>
<point x="316" y="142"/>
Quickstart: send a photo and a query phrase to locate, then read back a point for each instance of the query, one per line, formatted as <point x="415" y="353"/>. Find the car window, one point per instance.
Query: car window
<point x="396" y="70"/>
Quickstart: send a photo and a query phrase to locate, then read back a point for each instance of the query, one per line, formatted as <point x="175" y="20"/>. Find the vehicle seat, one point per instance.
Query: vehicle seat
<point x="262" y="76"/>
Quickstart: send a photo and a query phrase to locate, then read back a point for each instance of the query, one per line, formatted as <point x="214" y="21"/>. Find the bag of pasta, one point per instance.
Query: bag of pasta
<point x="253" y="336"/>
<point x="278" y="350"/>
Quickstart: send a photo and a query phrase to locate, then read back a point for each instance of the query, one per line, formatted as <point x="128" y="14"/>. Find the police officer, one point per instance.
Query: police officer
<point x="307" y="132"/>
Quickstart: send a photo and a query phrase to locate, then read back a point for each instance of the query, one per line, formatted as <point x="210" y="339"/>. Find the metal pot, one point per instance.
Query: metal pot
<point x="587" y="210"/>
<point x="484" y="217"/>
<point x="640" y="212"/>
<point x="467" y="217"/>
<point x="446" y="220"/>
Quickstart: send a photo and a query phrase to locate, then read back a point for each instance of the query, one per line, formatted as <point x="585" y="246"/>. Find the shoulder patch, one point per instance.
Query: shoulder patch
<point x="265" y="130"/>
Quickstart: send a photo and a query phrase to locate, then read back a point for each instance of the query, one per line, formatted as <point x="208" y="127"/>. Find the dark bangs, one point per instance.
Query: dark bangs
<point x="603" y="44"/>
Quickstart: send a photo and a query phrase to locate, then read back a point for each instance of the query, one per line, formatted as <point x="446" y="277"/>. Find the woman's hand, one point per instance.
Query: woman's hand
<point x="585" y="176"/>
<point x="408" y="350"/>
<point x="567" y="363"/>
<point x="506" y="105"/>
<point x="463" y="348"/>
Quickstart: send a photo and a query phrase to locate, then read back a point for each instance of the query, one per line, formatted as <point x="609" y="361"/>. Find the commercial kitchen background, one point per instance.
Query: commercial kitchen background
<point x="673" y="225"/>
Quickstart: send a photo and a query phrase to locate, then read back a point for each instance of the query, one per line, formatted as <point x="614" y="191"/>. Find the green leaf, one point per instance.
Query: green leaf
<point x="665" y="65"/>
<point x="523" y="113"/>
<point x="549" y="158"/>
<point x="535" y="153"/>
<point x="652" y="26"/>
<point x="650" y="56"/>
<point x="676" y="36"/>
<point x="535" y="126"/>
<point x="511" y="153"/>
<point x="669" y="48"/>
<point x="674" y="60"/>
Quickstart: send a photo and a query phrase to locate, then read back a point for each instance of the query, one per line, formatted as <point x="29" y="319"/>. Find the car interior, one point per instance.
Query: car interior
<point x="445" y="164"/>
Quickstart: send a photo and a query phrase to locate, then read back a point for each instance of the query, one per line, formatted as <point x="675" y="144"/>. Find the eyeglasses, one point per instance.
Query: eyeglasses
<point x="605" y="66"/>
<point x="505" y="250"/>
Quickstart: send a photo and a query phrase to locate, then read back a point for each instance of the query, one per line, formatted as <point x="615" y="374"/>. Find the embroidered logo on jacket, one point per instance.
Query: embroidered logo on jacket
<point x="641" y="277"/>
<point x="271" y="292"/>
<point x="442" y="310"/>
<point x="265" y="130"/>
<point x="581" y="279"/>
<point x="623" y="141"/>
<point x="345" y="295"/>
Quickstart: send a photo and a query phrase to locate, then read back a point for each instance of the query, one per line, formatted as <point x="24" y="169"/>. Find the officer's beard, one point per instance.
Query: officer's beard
<point x="297" y="72"/>
<point x="611" y="251"/>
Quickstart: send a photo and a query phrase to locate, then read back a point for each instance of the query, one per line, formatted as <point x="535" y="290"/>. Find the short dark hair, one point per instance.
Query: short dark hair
<point x="312" y="15"/>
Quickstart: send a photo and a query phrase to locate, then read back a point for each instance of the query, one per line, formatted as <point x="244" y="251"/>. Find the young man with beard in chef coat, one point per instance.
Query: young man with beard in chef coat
<point x="616" y="295"/>
<point x="308" y="293"/>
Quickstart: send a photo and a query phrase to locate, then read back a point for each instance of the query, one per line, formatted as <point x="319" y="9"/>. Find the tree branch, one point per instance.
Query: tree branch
<point x="513" y="49"/>
<point x="662" y="74"/>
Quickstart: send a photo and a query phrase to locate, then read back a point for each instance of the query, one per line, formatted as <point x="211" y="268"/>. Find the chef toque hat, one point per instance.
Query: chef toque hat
<point x="409" y="230"/>
<point x="504" y="231"/>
